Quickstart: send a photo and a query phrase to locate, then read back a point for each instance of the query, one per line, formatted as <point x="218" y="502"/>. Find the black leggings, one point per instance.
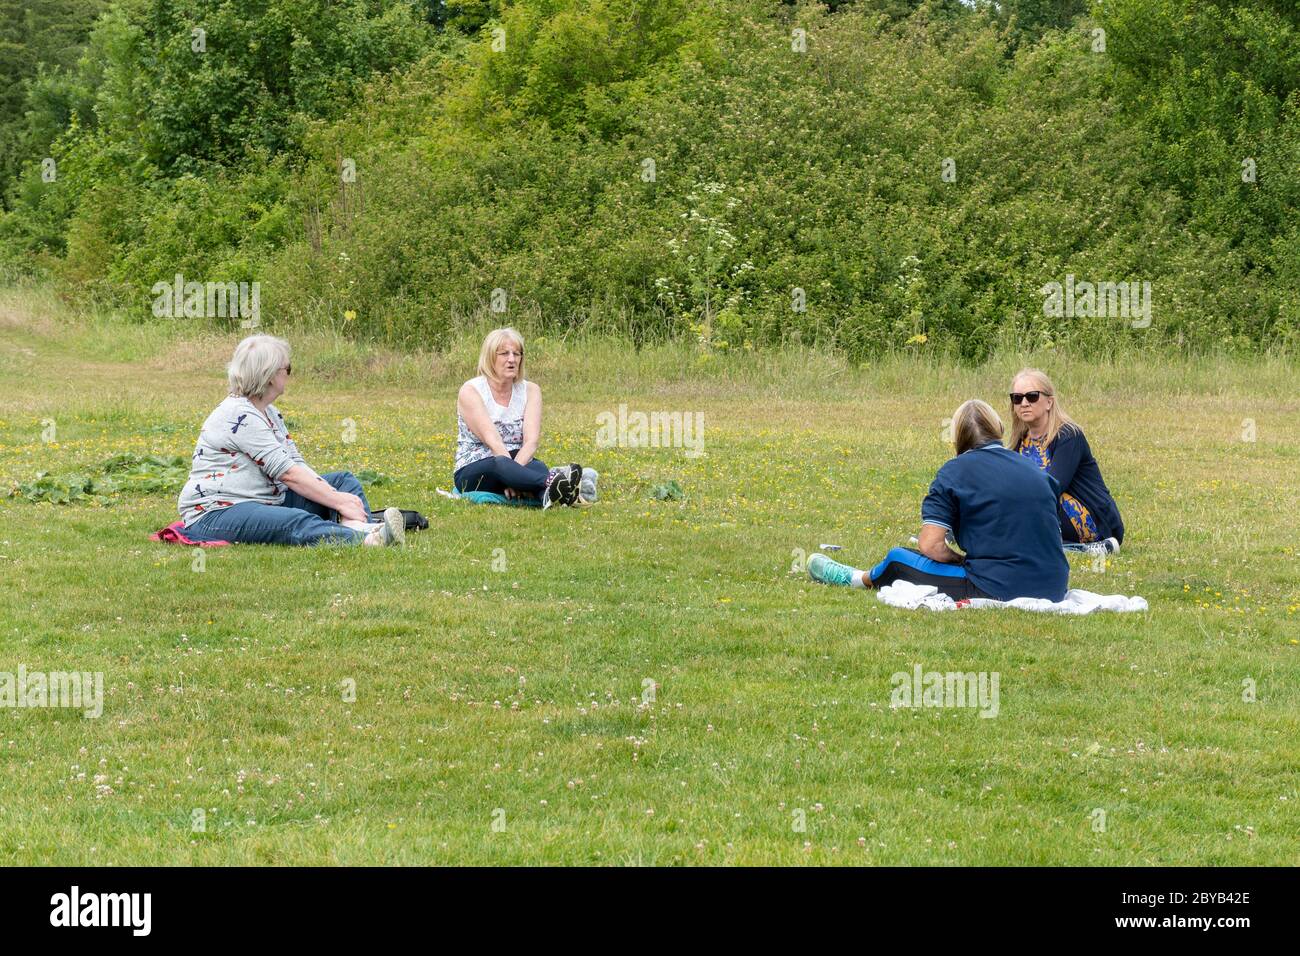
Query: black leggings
<point x="908" y="564"/>
<point x="498" y="473"/>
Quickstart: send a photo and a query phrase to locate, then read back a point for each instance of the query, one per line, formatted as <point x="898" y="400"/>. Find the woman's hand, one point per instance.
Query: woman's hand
<point x="532" y="425"/>
<point x="313" y="487"/>
<point x="350" y="508"/>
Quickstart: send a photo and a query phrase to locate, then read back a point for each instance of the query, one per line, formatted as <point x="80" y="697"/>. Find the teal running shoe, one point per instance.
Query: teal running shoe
<point x="823" y="569"/>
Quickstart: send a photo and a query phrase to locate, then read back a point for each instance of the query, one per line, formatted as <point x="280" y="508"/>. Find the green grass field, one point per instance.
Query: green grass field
<point x="501" y="661"/>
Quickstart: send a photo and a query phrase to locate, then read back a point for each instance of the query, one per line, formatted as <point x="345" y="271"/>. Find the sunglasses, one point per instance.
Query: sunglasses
<point x="1030" y="397"/>
<point x="288" y="369"/>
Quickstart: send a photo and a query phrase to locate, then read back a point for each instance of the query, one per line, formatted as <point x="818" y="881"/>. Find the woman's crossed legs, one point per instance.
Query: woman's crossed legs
<point x="499" y="473"/>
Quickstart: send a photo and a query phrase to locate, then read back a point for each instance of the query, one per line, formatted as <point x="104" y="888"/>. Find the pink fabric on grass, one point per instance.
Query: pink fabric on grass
<point x="174" y="533"/>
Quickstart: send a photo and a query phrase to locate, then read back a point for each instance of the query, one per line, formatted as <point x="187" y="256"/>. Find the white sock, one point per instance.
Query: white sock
<point x="857" y="580"/>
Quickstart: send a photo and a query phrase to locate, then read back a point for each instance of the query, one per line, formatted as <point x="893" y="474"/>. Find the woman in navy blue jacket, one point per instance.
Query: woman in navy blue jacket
<point x="999" y="509"/>
<point x="1044" y="433"/>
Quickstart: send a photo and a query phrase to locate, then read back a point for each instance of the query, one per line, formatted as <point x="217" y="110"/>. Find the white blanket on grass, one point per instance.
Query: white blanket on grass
<point x="905" y="594"/>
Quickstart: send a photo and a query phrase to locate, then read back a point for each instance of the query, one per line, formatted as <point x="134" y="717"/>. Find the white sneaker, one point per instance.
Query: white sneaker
<point x="394" y="527"/>
<point x="1109" y="546"/>
<point x="587" y="487"/>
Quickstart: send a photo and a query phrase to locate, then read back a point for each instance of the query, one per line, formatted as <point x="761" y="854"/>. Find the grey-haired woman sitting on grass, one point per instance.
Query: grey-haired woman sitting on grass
<point x="248" y="481"/>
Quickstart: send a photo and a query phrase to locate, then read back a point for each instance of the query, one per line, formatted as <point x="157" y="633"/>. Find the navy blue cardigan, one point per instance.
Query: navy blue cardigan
<point x="1077" y="472"/>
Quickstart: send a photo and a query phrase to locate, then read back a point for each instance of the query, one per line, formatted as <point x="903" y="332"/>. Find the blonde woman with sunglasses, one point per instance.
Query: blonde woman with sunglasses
<point x="1043" y="432"/>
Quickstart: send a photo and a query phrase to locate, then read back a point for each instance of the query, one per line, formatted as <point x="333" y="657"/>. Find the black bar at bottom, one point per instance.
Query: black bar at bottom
<point x="335" y="906"/>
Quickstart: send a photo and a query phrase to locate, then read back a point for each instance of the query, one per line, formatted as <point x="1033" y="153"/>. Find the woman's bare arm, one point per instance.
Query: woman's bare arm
<point x="470" y="405"/>
<point x="532" y="425"/>
<point x="933" y="543"/>
<point x="313" y="487"/>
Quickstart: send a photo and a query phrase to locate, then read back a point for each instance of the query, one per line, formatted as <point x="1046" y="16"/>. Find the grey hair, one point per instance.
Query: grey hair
<point x="254" y="364"/>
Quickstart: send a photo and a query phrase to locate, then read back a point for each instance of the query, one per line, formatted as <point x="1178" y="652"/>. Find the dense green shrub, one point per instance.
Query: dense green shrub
<point x="887" y="175"/>
<point x="38" y="39"/>
<point x="166" y="98"/>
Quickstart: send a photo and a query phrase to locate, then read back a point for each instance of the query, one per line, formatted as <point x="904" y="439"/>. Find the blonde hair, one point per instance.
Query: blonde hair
<point x="1057" y="419"/>
<point x="974" y="425"/>
<point x="255" y="362"/>
<point x="488" y="355"/>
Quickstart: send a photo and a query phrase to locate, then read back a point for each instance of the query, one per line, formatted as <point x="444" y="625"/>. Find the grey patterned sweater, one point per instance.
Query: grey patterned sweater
<point x="240" y="457"/>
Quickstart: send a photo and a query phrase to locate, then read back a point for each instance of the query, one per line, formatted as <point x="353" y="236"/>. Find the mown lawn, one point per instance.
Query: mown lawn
<point x="501" y="662"/>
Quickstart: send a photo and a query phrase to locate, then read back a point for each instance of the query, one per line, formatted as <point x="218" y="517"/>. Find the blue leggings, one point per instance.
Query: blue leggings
<point x="498" y="473"/>
<point x="908" y="564"/>
<point x="297" y="521"/>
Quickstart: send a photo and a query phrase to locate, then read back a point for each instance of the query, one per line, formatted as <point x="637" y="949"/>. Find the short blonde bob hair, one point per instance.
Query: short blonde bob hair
<point x="488" y="355"/>
<point x="974" y="425"/>
<point x="254" y="364"/>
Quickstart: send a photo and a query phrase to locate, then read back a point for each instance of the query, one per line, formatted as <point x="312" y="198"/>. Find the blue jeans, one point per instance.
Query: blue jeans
<point x="297" y="521"/>
<point x="498" y="473"/>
